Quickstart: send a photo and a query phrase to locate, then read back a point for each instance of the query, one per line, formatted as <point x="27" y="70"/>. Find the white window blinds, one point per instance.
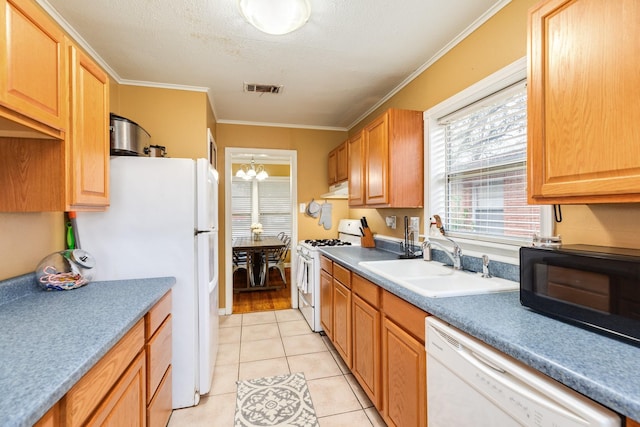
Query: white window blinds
<point x="241" y="207"/>
<point x="267" y="202"/>
<point x="483" y="148"/>
<point x="274" y="206"/>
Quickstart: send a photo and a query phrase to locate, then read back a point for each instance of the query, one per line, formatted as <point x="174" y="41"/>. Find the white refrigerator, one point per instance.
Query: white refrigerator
<point x="163" y="221"/>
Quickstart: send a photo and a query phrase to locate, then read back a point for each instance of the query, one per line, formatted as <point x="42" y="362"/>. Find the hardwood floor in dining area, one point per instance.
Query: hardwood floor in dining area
<point x="262" y="300"/>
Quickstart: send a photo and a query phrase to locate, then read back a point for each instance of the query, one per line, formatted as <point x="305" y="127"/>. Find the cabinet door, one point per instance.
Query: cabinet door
<point x="356" y="170"/>
<point x="376" y="153"/>
<point x="332" y="167"/>
<point x="32" y="64"/>
<point x="342" y="321"/>
<point x="89" y="137"/>
<point x="125" y="405"/>
<point x="326" y="303"/>
<point x="366" y="348"/>
<point x="342" y="162"/>
<point x="403" y="377"/>
<point x="583" y="109"/>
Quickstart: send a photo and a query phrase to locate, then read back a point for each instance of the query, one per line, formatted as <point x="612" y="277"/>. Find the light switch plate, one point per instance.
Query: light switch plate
<point x="303" y="206"/>
<point x="414" y="224"/>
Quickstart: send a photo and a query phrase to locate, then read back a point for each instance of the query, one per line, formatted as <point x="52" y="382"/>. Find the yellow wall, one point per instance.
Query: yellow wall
<point x="26" y="238"/>
<point x="270" y="169"/>
<point x="175" y="119"/>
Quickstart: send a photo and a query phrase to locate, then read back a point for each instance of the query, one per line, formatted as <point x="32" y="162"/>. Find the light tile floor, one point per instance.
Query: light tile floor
<point x="262" y="344"/>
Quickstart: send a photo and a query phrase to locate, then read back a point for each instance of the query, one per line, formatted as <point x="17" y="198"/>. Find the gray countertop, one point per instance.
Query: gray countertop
<point x="603" y="369"/>
<point x="50" y="339"/>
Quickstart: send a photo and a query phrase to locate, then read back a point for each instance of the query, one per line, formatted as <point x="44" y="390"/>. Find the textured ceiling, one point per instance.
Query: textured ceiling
<point x="335" y="69"/>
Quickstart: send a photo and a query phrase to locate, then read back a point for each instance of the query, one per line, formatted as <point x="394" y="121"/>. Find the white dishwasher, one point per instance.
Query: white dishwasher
<point x="472" y="384"/>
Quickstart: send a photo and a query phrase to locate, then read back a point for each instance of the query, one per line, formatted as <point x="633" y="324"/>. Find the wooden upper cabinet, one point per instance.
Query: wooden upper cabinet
<point x="356" y="169"/>
<point x="342" y="162"/>
<point x="338" y="164"/>
<point x="326" y="302"/>
<point x="89" y="136"/>
<point x="583" y="111"/>
<point x="376" y="152"/>
<point x="332" y="164"/>
<point x="32" y="58"/>
<point x="393" y="160"/>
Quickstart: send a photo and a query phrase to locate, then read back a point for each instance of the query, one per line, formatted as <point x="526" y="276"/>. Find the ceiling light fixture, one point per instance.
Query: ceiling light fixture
<point x="276" y="17"/>
<point x="252" y="171"/>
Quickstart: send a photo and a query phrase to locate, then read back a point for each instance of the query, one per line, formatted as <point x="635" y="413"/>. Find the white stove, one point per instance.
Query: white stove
<point x="308" y="276"/>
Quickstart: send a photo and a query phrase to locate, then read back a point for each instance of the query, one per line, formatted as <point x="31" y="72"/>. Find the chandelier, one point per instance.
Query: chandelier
<point x="252" y="171"/>
<point x="276" y="17"/>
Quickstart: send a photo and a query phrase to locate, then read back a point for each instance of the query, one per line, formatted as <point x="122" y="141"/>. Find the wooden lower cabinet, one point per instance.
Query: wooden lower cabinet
<point x="130" y="385"/>
<point x="342" y="321"/>
<point x="326" y="302"/>
<point x="158" y="349"/>
<point x="125" y="404"/>
<point x="404" y="364"/>
<point x="366" y="348"/>
<point x="631" y="423"/>
<point x="96" y="385"/>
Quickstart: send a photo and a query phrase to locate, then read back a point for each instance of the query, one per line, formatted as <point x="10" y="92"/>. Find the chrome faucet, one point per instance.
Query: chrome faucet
<point x="485" y="267"/>
<point x="455" y="256"/>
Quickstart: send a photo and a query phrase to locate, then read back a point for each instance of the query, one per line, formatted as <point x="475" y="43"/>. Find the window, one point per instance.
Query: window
<point x="241" y="207"/>
<point x="478" y="150"/>
<point x="274" y="202"/>
<point x="267" y="202"/>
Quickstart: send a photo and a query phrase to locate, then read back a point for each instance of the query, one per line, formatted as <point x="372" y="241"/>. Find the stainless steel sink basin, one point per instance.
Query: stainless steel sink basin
<point x="436" y="280"/>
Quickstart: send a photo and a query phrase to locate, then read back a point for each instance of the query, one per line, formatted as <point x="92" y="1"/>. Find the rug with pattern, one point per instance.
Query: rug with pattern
<point x="283" y="400"/>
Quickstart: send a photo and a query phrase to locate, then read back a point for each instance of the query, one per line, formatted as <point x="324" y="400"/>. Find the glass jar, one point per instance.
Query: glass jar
<point x="64" y="270"/>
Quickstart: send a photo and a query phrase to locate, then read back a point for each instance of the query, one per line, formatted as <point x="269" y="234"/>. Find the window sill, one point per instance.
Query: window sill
<point x="509" y="254"/>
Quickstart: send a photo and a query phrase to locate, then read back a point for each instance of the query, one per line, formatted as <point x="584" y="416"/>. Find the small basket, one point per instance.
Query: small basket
<point x="65" y="270"/>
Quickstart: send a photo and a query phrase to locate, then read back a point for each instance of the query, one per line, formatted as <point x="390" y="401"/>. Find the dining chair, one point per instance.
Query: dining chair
<point x="279" y="257"/>
<point x="239" y="261"/>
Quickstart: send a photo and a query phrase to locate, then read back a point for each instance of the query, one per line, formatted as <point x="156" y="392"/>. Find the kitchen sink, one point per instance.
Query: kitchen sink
<point x="435" y="280"/>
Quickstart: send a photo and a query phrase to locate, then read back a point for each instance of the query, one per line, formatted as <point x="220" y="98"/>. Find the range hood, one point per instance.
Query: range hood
<point x="337" y="191"/>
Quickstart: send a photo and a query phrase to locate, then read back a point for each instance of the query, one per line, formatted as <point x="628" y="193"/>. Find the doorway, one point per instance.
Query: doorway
<point x="266" y="157"/>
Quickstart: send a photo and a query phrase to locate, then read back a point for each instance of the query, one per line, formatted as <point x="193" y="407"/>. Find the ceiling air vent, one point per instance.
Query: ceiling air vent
<point x="258" y="88"/>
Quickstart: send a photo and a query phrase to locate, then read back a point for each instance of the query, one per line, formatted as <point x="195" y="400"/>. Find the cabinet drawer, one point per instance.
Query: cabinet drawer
<point x="158" y="357"/>
<point x="326" y="264"/>
<point x="342" y="275"/>
<point x="157" y="314"/>
<point x="82" y="399"/>
<point x="366" y="290"/>
<point x="406" y="315"/>
<point x="159" y="410"/>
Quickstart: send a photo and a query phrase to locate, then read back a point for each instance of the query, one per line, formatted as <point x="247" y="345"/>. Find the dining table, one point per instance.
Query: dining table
<point x="257" y="260"/>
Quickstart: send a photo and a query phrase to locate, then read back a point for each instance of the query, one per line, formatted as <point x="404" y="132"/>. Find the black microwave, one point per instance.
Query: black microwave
<point x="591" y="286"/>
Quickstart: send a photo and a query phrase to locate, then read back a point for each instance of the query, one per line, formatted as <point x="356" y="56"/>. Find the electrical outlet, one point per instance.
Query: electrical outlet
<point x="414" y="224"/>
<point x="391" y="222"/>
